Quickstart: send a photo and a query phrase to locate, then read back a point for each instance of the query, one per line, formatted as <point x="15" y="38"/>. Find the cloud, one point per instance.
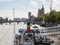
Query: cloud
<point x="23" y="7"/>
<point x="41" y="1"/>
<point x="6" y="0"/>
<point x="18" y="13"/>
<point x="55" y="5"/>
<point x="33" y="3"/>
<point x="29" y="5"/>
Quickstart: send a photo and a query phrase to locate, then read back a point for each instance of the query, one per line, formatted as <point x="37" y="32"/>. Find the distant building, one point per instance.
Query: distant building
<point x="41" y="11"/>
<point x="23" y="19"/>
<point x="29" y="15"/>
<point x="16" y="19"/>
<point x="1" y="19"/>
<point x="32" y="18"/>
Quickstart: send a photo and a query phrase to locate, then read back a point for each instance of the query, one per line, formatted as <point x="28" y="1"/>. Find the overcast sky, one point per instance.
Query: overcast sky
<point x="22" y="7"/>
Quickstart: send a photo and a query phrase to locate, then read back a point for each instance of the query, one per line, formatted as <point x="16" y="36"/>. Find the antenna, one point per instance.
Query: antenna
<point x="51" y="6"/>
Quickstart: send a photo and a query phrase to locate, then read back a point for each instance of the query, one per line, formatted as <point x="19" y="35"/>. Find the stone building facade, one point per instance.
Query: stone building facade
<point x="41" y="11"/>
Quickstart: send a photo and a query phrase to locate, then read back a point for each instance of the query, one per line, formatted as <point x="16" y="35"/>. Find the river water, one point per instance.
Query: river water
<point x="7" y="33"/>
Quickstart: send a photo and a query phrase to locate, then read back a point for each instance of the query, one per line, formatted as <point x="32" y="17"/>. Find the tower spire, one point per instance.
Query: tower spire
<point x="42" y="7"/>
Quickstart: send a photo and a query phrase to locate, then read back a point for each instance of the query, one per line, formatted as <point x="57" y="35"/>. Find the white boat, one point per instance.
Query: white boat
<point x="30" y="38"/>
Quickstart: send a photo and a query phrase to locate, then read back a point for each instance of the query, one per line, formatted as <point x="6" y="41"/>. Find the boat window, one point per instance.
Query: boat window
<point x="20" y="31"/>
<point x="31" y="32"/>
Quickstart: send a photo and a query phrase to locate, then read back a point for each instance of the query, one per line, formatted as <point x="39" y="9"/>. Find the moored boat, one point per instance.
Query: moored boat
<point x="31" y="37"/>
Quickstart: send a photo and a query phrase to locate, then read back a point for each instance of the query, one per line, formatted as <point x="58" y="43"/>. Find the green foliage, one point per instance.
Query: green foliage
<point x="39" y="19"/>
<point x="58" y="16"/>
<point x="52" y="17"/>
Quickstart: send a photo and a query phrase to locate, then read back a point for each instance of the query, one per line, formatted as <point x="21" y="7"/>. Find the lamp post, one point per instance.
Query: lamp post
<point x="43" y="20"/>
<point x="13" y="19"/>
<point x="13" y="26"/>
<point x="51" y="12"/>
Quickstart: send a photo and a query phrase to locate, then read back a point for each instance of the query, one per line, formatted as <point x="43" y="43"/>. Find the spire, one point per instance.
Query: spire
<point x="42" y="7"/>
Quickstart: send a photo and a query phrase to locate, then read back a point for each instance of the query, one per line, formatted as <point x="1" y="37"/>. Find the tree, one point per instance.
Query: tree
<point x="39" y="19"/>
<point x="53" y="17"/>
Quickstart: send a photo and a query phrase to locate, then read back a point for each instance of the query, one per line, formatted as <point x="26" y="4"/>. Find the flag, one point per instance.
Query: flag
<point x="28" y="26"/>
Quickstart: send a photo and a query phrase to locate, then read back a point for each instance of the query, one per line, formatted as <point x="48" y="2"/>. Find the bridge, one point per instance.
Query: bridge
<point x="1" y="22"/>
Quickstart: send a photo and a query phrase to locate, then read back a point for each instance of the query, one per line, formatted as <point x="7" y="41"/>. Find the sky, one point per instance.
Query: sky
<point x="22" y="7"/>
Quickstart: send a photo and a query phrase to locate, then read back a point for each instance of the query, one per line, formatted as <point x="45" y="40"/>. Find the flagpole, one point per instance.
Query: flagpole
<point x="13" y="26"/>
<point x="51" y="9"/>
<point x="13" y="19"/>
